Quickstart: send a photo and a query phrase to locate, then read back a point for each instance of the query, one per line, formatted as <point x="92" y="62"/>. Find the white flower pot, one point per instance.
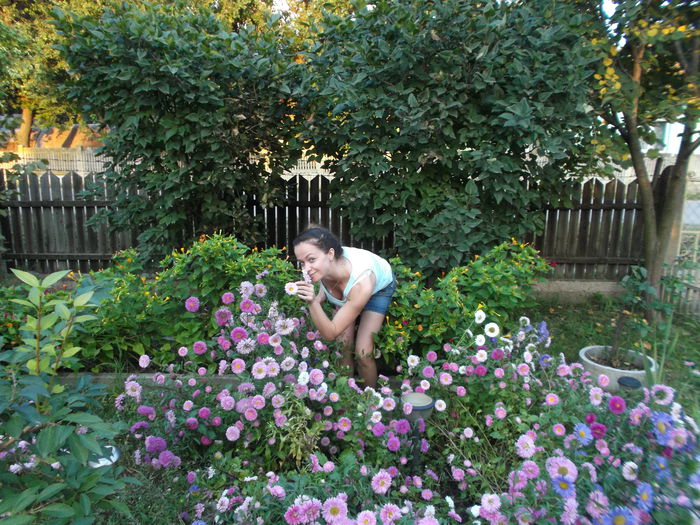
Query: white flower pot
<point x="614" y="373"/>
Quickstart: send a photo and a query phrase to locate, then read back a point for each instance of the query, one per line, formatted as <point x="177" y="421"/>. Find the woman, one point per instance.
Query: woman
<point x="358" y="282"/>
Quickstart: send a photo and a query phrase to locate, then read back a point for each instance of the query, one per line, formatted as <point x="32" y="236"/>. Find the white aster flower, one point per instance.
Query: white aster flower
<point x="479" y="316"/>
<point x="482" y="356"/>
<point x="491" y="330"/>
<point x="440" y="405"/>
<point x="413" y="361"/>
<point x="480" y="340"/>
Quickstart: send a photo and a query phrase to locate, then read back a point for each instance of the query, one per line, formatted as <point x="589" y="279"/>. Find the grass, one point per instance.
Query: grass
<point x="574" y="326"/>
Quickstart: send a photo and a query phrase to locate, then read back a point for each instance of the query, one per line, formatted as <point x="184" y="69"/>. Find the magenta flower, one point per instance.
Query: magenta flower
<point x="247" y="306"/>
<point x="393" y="443"/>
<point x="431" y="356"/>
<point x="199" y="347"/>
<point x="223" y="316"/>
<point x="617" y="405"/>
<point x="598" y="430"/>
<point x="155" y="444"/>
<point x="238" y="334"/>
<point x="428" y="372"/>
<point x="228" y="298"/>
<point x="204" y="413"/>
<point x="480" y="370"/>
<point x="192" y="304"/>
<point x="403" y="426"/>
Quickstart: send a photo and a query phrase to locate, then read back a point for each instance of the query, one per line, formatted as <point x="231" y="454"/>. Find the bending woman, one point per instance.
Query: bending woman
<point x="358" y="282"/>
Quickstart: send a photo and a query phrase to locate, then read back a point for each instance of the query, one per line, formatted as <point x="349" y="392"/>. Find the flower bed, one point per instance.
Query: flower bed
<point x="521" y="434"/>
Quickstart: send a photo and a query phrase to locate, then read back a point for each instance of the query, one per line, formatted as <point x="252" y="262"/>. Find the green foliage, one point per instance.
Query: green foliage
<point x="422" y="318"/>
<point x="138" y="315"/>
<point x="47" y="328"/>
<point x="199" y="118"/>
<point x="444" y="122"/>
<point x="50" y="435"/>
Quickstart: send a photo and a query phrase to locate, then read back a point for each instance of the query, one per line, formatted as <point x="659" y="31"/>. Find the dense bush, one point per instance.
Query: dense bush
<point x="423" y="318"/>
<point x="200" y="118"/>
<point x="138" y="315"/>
<point x="442" y="122"/>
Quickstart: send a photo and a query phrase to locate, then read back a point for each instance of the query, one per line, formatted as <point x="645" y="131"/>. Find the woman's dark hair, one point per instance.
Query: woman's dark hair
<point x="321" y="238"/>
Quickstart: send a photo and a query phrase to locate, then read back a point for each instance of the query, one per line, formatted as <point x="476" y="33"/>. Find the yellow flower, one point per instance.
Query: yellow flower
<point x="652" y="32"/>
<point x="682" y="28"/>
<point x="607" y="62"/>
<point x="613" y="51"/>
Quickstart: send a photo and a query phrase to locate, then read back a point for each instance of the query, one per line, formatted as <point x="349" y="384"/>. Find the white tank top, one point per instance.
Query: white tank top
<point x="361" y="261"/>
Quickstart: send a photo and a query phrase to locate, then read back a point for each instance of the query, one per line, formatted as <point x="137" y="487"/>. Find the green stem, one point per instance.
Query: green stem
<point x="37" y="335"/>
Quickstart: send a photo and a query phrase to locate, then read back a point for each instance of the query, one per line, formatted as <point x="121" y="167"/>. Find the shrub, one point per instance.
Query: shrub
<point x="50" y="435"/>
<point x="422" y="318"/>
<point x="138" y="315"/>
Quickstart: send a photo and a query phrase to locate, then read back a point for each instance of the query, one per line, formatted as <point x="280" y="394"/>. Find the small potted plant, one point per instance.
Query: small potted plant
<point x="616" y="362"/>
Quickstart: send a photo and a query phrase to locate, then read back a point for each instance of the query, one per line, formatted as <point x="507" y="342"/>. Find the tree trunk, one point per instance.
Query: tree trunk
<point x="25" y="129"/>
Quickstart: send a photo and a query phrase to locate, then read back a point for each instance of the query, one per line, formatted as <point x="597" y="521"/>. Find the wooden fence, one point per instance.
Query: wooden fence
<point x="598" y="238"/>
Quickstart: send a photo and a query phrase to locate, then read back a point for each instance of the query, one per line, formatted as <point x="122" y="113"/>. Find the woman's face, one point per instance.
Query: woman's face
<point x="313" y="259"/>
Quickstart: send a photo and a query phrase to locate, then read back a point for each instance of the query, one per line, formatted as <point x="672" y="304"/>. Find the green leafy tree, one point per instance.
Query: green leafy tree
<point x="199" y="118"/>
<point x="648" y="73"/>
<point x="451" y="125"/>
<point x="41" y="71"/>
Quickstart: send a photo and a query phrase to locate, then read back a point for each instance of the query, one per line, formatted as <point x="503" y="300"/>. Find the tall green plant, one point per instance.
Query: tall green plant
<point x="450" y="125"/>
<point x="199" y="118"/>
<point x="51" y="436"/>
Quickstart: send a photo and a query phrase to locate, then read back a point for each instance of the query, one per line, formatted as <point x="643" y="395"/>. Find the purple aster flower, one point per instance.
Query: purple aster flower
<point x="564" y="486"/>
<point x="192" y="304"/>
<point x="155" y="444"/>
<point x="619" y="516"/>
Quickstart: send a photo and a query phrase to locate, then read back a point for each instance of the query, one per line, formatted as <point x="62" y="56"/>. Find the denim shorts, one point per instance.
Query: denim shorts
<point x="380" y="301"/>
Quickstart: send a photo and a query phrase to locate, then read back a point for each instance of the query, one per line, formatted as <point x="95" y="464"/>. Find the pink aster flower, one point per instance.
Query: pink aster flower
<point x="199" y="347"/>
<point x="445" y="378"/>
<point x="144" y="361"/>
<point x="251" y="414"/>
<point x="490" y="502"/>
<point x="603" y="380"/>
<point x="551" y="399"/>
<point x="238" y="366"/>
<point x="431" y="356"/>
<point x="366" y="517"/>
<point x="523" y="369"/>
<point x="525" y="446"/>
<point x="389" y="513"/>
<point x="344" y="424"/>
<point x="247" y="306"/>
<point x="334" y="509"/>
<point x="381" y="482"/>
<point x="596" y="396"/>
<point x="228" y="298"/>
<point x="561" y="466"/>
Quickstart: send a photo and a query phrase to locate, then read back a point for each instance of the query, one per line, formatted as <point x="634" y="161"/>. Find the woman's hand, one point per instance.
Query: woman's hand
<point x="307" y="292"/>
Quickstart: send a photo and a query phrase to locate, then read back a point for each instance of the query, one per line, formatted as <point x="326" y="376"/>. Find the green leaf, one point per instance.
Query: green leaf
<point x="26" y="277"/>
<point x="34" y="296"/>
<point x="25" y="498"/>
<point x="82" y="299"/>
<point x="51" y="490"/>
<point x="35" y="391"/>
<point x="77" y="449"/>
<point x="14" y="426"/>
<point x="58" y="510"/>
<point x="23" y="302"/>
<point x="83" y="418"/>
<point x="53" y="278"/>
<point x="120" y="507"/>
<point x="85" y="504"/>
<point x="63" y="311"/>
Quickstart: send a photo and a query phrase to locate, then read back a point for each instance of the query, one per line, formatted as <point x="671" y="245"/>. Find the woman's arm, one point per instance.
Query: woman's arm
<point x="329" y="329"/>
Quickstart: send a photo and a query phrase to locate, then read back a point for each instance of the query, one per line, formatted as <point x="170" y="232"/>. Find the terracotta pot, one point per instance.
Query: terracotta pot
<point x="614" y="373"/>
